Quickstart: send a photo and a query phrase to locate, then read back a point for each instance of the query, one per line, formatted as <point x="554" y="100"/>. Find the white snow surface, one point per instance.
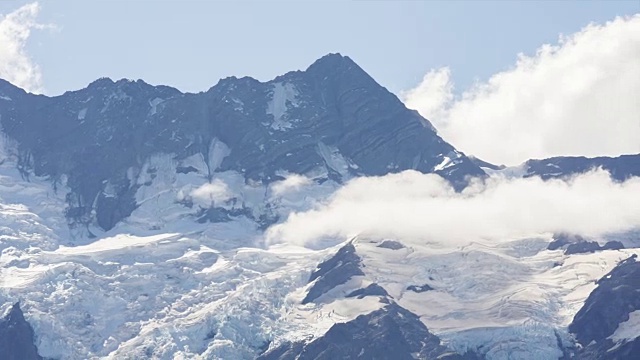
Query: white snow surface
<point x="82" y="113"/>
<point x="161" y="285"/>
<point x="334" y="159"/>
<point x="283" y="97"/>
<point x="508" y="299"/>
<point x="628" y="330"/>
<point x="448" y="160"/>
<point x="154" y="105"/>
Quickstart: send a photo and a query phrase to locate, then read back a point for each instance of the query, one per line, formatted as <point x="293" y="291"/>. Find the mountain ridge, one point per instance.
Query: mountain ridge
<point x="332" y="117"/>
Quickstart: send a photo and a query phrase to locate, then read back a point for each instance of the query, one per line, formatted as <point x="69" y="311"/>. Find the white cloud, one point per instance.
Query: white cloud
<point x="15" y="64"/>
<point x="292" y="182"/>
<point x="211" y="193"/>
<point x="579" y="97"/>
<point x="414" y="206"/>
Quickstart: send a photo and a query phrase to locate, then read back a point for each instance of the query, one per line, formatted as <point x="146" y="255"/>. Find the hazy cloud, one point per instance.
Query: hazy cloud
<point x="15" y="64"/>
<point x="415" y="206"/>
<point x="579" y="97"/>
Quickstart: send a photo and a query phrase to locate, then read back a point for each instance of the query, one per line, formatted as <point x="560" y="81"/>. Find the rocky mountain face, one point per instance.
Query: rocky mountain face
<point x="608" y="325"/>
<point x="620" y="168"/>
<point x="391" y="332"/>
<point x="170" y="276"/>
<point x="16" y="337"/>
<point x="561" y="167"/>
<point x="332" y="118"/>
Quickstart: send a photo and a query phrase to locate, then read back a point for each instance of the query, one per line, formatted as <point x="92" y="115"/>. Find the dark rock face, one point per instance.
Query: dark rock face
<point x="419" y="288"/>
<point x="16" y="337"/>
<point x="389" y="333"/>
<point x="591" y="247"/>
<point x="562" y="239"/>
<point x="100" y="136"/>
<point x="391" y="244"/>
<point x="621" y="168"/>
<point x="617" y="295"/>
<point x="483" y="164"/>
<point x="582" y="247"/>
<point x="576" y="244"/>
<point x="344" y="265"/>
<point x="371" y="290"/>
<point x="612" y="245"/>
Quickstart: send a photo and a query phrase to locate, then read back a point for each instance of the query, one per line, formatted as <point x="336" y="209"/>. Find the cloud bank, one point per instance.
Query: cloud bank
<point x="424" y="207"/>
<point x="15" y="64"/>
<point x="579" y="97"/>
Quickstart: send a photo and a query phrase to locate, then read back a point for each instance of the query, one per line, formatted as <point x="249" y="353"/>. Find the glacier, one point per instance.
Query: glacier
<point x="161" y="285"/>
<point x="153" y="232"/>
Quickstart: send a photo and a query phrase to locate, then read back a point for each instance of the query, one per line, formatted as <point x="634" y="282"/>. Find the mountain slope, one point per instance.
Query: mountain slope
<point x="620" y="168"/>
<point x="133" y="217"/>
<point x="331" y="119"/>
<point x="608" y="325"/>
<point x="16" y="337"/>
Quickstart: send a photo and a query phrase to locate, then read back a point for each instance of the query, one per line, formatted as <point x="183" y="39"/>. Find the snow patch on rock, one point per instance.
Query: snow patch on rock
<point x="283" y="97"/>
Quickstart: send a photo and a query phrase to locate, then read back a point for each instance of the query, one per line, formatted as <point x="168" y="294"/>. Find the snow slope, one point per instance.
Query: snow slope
<point x="162" y="285"/>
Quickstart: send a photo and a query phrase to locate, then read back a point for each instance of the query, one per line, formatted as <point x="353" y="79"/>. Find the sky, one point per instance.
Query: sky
<point x="192" y="44"/>
<point x="464" y="65"/>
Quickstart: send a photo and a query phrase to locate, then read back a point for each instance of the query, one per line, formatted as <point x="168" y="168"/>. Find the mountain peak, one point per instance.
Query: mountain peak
<point x="332" y="119"/>
<point x="334" y="58"/>
<point x="101" y="83"/>
<point x="334" y="63"/>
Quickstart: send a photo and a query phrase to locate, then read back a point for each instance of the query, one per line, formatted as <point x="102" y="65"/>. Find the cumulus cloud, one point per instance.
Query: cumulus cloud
<point x="15" y="64"/>
<point x="579" y="97"/>
<point x="424" y="207"/>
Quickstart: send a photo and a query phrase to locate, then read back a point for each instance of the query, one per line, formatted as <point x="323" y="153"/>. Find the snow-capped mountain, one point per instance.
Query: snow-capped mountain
<point x="133" y="219"/>
<point x="332" y="119"/>
<point x="608" y="325"/>
<point x="621" y="168"/>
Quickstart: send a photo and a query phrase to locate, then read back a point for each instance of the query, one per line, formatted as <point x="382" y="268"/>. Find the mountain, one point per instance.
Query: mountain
<point x="332" y="120"/>
<point x="133" y="221"/>
<point x="608" y="325"/>
<point x="620" y="168"/>
<point x="16" y="336"/>
<point x="390" y="332"/>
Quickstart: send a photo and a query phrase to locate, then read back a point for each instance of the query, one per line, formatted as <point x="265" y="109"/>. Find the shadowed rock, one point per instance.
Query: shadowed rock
<point x="617" y="295"/>
<point x="17" y="337"/>
<point x="332" y="116"/>
<point x="621" y="167"/>
<point x="371" y="290"/>
<point x="391" y="244"/>
<point x="389" y="333"/>
<point x="344" y="265"/>
<point x="419" y="288"/>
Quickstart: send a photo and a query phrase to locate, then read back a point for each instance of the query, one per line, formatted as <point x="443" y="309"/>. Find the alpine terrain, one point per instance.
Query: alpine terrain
<point x="137" y="222"/>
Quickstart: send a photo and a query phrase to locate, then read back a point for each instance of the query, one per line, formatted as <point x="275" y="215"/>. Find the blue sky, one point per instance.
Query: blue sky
<point x="192" y="44"/>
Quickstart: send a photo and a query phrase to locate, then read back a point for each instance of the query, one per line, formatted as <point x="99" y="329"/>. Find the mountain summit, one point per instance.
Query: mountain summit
<point x="136" y="223"/>
<point x="331" y="120"/>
